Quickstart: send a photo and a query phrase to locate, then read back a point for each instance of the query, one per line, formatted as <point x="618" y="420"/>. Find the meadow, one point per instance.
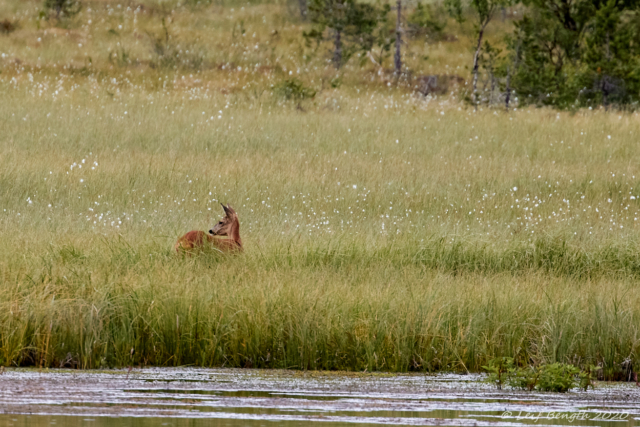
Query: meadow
<point x="383" y="231"/>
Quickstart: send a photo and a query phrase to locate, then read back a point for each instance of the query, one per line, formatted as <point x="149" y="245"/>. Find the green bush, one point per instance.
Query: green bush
<point x="293" y="89"/>
<point x="558" y="377"/>
<point x="523" y="378"/>
<point x="499" y="369"/>
<point x="62" y="8"/>
<point x="7" y="27"/>
<point x="424" y="21"/>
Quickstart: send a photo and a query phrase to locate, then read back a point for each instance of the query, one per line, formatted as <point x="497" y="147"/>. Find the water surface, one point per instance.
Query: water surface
<point x="191" y="397"/>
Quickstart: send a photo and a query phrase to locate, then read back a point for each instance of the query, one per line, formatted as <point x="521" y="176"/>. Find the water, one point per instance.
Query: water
<point x="230" y="397"/>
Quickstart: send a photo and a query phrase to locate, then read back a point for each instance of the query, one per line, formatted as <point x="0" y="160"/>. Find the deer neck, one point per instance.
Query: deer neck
<point x="235" y="233"/>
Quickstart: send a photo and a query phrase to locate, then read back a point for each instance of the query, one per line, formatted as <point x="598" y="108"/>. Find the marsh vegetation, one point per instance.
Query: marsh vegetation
<point x="382" y="230"/>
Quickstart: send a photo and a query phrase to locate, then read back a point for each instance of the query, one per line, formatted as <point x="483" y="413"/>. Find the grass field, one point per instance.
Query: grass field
<point x="382" y="230"/>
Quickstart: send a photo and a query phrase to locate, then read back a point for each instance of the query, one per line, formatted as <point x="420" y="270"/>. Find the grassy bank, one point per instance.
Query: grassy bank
<point x="239" y="313"/>
<point x="365" y="249"/>
<point x="383" y="231"/>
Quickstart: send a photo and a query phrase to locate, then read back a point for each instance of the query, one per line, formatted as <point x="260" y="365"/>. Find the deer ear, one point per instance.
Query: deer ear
<point x="226" y="209"/>
<point x="231" y="209"/>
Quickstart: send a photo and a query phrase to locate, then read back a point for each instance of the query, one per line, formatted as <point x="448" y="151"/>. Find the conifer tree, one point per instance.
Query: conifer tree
<point x="609" y="56"/>
<point x="347" y="24"/>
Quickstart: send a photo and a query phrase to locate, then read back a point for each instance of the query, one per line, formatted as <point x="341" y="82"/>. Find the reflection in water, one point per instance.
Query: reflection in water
<point x="224" y="397"/>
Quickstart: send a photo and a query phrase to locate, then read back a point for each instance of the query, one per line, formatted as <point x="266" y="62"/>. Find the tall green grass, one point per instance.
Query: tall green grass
<point x="382" y="231"/>
<point x="91" y="307"/>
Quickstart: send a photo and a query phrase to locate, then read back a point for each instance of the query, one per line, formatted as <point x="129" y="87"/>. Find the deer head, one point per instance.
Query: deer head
<point x="226" y="226"/>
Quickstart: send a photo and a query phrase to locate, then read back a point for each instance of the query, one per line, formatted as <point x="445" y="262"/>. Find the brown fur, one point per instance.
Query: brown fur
<point x="228" y="226"/>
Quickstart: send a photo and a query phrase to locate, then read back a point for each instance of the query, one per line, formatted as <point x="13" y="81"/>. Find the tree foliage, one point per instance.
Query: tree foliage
<point x="63" y="8"/>
<point x="572" y="54"/>
<point x="424" y="20"/>
<point x="350" y="25"/>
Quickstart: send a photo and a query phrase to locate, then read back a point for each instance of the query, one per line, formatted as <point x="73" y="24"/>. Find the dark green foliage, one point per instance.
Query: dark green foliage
<point x="484" y="9"/>
<point x="351" y="26"/>
<point x="62" y="8"/>
<point x="538" y="79"/>
<point x="7" y="27"/>
<point x="523" y="378"/>
<point x="557" y="377"/>
<point x="384" y="39"/>
<point x="293" y="89"/>
<point x="554" y="377"/>
<point x="576" y="54"/>
<point x="499" y="369"/>
<point x="610" y="60"/>
<point x="455" y="9"/>
<point x="425" y="21"/>
<point x="548" y="53"/>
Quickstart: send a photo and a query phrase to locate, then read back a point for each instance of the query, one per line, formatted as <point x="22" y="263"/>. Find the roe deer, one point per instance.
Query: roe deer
<point x="227" y="226"/>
